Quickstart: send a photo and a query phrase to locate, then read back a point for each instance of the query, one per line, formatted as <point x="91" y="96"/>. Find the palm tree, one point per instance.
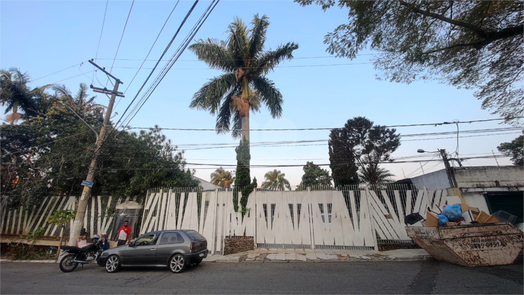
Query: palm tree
<point x="15" y="93"/>
<point x="243" y="86"/>
<point x="275" y="180"/>
<point x="374" y="176"/>
<point x="81" y="100"/>
<point x="222" y="178"/>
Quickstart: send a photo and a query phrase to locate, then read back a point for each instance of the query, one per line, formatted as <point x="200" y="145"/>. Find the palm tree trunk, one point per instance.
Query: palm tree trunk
<point x="245" y="117"/>
<point x="245" y="127"/>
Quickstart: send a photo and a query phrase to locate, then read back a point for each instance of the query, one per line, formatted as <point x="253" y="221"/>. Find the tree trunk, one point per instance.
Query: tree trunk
<point x="245" y="116"/>
<point x="245" y="127"/>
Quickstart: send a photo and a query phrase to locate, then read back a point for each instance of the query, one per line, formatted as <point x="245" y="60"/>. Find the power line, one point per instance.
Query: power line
<point x="174" y="58"/>
<point x="279" y="66"/>
<point x="122" y="36"/>
<point x="152" y="46"/>
<point x="56" y="72"/>
<point x="156" y="65"/>
<point x="194" y="60"/>
<point x="329" y="128"/>
<point x="101" y="30"/>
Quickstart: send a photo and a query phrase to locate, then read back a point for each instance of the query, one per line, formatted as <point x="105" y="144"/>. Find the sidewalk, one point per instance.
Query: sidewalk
<point x="310" y="255"/>
<point x="302" y="255"/>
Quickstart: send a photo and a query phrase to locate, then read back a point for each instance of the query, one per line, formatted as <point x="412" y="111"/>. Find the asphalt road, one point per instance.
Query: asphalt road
<point x="374" y="277"/>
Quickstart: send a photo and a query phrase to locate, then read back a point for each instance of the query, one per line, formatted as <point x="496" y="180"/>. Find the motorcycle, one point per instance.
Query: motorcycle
<point x="72" y="255"/>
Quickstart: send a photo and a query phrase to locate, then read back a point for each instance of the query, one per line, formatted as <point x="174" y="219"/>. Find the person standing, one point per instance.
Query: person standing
<point x="123" y="235"/>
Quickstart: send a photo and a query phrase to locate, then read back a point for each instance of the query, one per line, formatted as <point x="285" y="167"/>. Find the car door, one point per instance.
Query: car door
<point x="142" y="251"/>
<point x="169" y="243"/>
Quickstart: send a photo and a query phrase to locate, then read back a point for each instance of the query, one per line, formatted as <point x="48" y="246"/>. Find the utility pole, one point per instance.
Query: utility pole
<point x="449" y="171"/>
<point x="88" y="183"/>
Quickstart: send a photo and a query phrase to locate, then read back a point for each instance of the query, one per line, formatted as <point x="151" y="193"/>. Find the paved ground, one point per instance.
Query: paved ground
<point x="309" y="255"/>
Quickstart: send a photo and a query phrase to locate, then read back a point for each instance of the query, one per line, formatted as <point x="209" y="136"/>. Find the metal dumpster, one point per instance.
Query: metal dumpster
<point x="480" y="244"/>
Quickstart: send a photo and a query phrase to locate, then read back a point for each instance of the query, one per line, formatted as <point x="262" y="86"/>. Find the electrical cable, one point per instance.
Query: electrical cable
<point x="175" y="57"/>
<point x="156" y="65"/>
<point x="330" y="128"/>
<point x="172" y="61"/>
<point x="100" y="38"/>
<point x="152" y="46"/>
<point x="78" y="64"/>
<point x="121" y="37"/>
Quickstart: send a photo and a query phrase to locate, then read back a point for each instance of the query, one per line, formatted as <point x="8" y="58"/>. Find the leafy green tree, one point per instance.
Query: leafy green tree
<point x="49" y="153"/>
<point x="222" y="178"/>
<point x="341" y="159"/>
<point x="472" y="44"/>
<point x="243" y="86"/>
<point x="132" y="163"/>
<point x="514" y="149"/>
<point x="275" y="180"/>
<point x="61" y="218"/>
<point x="368" y="145"/>
<point x="314" y="176"/>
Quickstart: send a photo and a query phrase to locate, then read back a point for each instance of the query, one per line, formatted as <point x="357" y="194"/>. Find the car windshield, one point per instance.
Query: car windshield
<point x="146" y="240"/>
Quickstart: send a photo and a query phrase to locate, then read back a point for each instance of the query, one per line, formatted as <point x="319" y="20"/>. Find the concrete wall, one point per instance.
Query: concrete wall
<point x="475" y="181"/>
<point x="490" y="176"/>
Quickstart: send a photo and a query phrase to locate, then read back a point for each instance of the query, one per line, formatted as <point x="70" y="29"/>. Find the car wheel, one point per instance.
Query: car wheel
<point x="177" y="263"/>
<point x="67" y="264"/>
<point x="112" y="264"/>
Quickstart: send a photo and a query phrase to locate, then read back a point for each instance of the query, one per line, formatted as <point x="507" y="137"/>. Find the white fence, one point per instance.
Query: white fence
<point x="97" y="219"/>
<point x="292" y="219"/>
<point x="350" y="219"/>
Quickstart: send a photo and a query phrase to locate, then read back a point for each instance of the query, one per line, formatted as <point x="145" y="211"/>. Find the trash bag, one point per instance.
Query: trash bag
<point x="442" y="220"/>
<point x="452" y="212"/>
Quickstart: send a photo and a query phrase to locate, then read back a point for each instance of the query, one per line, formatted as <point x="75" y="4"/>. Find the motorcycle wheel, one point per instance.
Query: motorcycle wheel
<point x="67" y="264"/>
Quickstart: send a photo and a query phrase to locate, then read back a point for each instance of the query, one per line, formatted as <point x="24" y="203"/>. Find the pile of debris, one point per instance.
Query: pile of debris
<point x="458" y="214"/>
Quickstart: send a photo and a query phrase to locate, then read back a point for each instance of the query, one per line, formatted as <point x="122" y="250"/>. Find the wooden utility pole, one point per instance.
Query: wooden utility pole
<point x="78" y="223"/>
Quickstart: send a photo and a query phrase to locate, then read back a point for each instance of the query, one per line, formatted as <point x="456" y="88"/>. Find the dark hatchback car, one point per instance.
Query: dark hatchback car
<point x="176" y="249"/>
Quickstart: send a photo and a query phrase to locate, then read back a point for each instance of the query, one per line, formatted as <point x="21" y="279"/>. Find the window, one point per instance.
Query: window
<point x="146" y="240"/>
<point x="171" y="238"/>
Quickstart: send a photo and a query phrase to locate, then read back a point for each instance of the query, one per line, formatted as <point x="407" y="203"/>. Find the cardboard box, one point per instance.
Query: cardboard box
<point x="492" y="219"/>
<point x="484" y="217"/>
<point x="431" y="219"/>
<point x="465" y="207"/>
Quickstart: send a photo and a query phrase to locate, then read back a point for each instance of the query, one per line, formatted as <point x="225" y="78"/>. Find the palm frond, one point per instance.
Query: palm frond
<point x="237" y="126"/>
<point x="237" y="44"/>
<point x="269" y="95"/>
<point x="214" y="54"/>
<point x="271" y="59"/>
<point x="258" y="35"/>
<point x="210" y="95"/>
<point x="224" y="116"/>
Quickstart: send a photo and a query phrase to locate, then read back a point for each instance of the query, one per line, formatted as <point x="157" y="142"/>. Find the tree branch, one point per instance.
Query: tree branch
<point x="468" y="26"/>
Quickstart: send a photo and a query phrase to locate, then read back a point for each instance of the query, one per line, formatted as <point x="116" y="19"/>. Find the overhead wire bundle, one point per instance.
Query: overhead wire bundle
<point x="185" y="43"/>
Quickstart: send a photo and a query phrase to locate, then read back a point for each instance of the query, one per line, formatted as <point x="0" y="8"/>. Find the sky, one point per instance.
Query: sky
<point x="52" y="41"/>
